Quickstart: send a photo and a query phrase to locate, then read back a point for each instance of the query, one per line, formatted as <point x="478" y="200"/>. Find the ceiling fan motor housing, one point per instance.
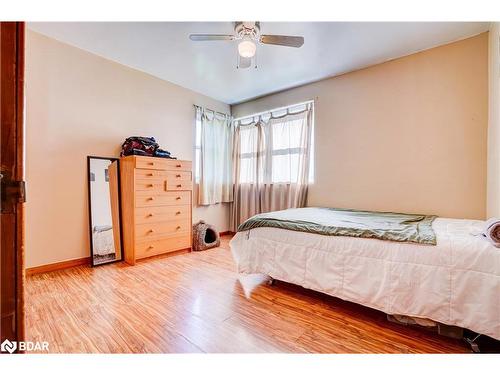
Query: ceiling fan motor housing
<point x="247" y="30"/>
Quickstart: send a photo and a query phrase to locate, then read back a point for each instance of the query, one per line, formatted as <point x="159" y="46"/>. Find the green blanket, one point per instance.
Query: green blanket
<point x="341" y="222"/>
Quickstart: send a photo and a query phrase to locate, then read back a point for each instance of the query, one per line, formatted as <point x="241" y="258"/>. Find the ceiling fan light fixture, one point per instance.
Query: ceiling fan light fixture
<point x="247" y="49"/>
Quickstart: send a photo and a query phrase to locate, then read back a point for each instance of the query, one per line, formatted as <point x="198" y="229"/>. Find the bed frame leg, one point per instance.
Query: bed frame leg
<point x="473" y="344"/>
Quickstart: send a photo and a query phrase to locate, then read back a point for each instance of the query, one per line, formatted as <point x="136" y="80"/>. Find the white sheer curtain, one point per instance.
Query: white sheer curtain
<point x="271" y="163"/>
<point x="216" y="152"/>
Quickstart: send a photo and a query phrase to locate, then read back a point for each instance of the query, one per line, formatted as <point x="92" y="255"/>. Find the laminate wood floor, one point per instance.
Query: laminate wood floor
<point x="195" y="302"/>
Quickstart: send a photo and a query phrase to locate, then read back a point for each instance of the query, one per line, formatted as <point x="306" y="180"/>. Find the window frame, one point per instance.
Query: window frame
<point x="274" y="152"/>
<point x="282" y="151"/>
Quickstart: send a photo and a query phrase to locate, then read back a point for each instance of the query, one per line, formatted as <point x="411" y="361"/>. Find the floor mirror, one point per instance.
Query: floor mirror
<point x="104" y="210"/>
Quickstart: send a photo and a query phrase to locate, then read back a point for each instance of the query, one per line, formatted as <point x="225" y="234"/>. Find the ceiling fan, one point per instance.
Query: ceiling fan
<point x="249" y="35"/>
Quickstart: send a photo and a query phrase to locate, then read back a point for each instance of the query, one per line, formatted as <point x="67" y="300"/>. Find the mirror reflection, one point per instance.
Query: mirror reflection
<point x="104" y="206"/>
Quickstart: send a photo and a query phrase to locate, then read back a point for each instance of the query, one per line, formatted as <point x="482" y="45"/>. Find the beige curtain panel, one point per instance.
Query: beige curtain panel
<point x="216" y="156"/>
<point x="271" y="164"/>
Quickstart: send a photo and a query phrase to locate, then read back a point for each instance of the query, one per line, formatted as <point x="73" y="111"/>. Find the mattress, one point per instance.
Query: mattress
<point x="455" y="282"/>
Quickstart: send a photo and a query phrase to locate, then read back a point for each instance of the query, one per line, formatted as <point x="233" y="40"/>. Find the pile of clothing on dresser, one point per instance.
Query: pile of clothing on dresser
<point x="144" y="146"/>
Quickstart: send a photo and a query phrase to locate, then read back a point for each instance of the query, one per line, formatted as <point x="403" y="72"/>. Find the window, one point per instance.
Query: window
<point x="274" y="145"/>
<point x="197" y="149"/>
<point x="283" y="130"/>
<point x="214" y="135"/>
<point x="248" y="153"/>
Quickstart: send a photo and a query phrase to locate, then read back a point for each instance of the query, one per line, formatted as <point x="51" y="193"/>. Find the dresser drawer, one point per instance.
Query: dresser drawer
<point x="162" y="213"/>
<point x="179" y="185"/>
<point x="178" y="176"/>
<point x="150" y="199"/>
<point x="178" y="165"/>
<point x="149" y="248"/>
<point x="145" y="162"/>
<point x="150" y="174"/>
<point x="162" y="229"/>
<point x="156" y="186"/>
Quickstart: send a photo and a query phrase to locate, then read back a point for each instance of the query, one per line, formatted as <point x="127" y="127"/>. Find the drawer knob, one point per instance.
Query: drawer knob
<point x="151" y="163"/>
<point x="178" y="175"/>
<point x="150" y="185"/>
<point x="178" y="213"/>
<point x="151" y="198"/>
<point x="150" y="247"/>
<point x="177" y="198"/>
<point x="150" y="175"/>
<point x="150" y="215"/>
<point x="178" y="227"/>
<point x="179" y="186"/>
<point x="178" y="165"/>
<point x="150" y="231"/>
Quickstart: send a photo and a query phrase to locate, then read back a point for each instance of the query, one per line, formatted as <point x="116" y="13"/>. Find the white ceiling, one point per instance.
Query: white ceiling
<point x="163" y="49"/>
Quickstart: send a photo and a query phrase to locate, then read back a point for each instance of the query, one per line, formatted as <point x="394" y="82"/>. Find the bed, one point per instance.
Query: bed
<point x="455" y="280"/>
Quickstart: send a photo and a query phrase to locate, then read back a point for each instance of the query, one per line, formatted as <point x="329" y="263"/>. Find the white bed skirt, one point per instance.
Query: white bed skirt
<point x="456" y="282"/>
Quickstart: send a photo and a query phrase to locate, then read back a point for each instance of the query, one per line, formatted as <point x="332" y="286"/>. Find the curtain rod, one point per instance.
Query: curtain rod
<point x="211" y="110"/>
<point x="274" y="110"/>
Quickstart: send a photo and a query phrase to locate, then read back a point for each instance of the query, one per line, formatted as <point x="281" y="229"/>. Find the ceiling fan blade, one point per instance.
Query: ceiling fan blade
<point x="209" y="37"/>
<point x="244" y="62"/>
<point x="283" y="40"/>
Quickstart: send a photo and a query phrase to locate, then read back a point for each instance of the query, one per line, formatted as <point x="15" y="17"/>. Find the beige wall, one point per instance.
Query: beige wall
<point x="493" y="208"/>
<point x="79" y="104"/>
<point x="407" y="135"/>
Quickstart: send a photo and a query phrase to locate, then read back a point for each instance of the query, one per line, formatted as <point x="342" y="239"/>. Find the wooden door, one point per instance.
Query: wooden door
<point x="12" y="180"/>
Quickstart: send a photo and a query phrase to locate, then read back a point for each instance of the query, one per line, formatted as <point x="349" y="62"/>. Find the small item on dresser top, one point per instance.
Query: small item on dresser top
<point x="159" y="153"/>
<point x="143" y="146"/>
<point x="492" y="231"/>
<point x="205" y="236"/>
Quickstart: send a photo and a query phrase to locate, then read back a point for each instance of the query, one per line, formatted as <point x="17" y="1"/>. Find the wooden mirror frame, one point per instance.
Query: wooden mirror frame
<point x="89" y="158"/>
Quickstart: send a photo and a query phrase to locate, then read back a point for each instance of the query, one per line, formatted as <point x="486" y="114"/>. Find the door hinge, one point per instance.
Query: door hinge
<point x="13" y="192"/>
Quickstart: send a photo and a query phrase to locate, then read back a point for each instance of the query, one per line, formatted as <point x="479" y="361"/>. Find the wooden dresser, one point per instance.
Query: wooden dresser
<point x="156" y="196"/>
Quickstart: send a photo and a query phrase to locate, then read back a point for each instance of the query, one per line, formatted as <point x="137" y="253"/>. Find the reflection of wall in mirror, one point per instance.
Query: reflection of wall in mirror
<point x="99" y="190"/>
